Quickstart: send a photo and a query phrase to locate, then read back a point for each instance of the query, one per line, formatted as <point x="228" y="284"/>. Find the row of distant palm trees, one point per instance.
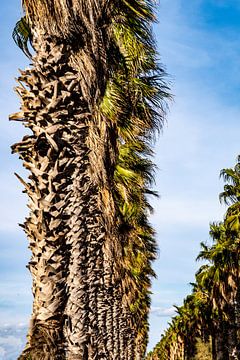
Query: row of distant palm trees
<point x="92" y="99"/>
<point x="211" y="313"/>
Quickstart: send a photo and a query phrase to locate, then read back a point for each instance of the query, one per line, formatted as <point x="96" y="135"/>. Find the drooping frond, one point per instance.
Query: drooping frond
<point x="231" y="193"/>
<point x="22" y="36"/>
<point x="135" y="102"/>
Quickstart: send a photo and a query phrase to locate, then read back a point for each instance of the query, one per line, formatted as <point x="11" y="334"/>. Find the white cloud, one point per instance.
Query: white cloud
<point x="163" y="312"/>
<point x="12" y="341"/>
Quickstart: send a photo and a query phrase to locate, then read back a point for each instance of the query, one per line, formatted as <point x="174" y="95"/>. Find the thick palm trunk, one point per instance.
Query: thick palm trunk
<point x="78" y="311"/>
<point x="90" y="100"/>
<point x="49" y="156"/>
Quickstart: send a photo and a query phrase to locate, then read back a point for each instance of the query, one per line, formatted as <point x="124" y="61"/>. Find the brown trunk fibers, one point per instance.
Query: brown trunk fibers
<point x="77" y="311"/>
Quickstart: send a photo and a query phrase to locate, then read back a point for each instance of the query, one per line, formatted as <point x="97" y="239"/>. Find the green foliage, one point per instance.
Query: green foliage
<point x="214" y="298"/>
<point x="135" y="103"/>
<point x="22" y="36"/>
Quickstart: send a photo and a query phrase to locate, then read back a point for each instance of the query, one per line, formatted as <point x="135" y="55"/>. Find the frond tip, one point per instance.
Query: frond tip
<point x="22" y="36"/>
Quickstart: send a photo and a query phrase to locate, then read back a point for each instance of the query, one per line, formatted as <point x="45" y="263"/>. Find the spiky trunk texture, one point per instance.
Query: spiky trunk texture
<point x="78" y="311"/>
<point x="90" y="99"/>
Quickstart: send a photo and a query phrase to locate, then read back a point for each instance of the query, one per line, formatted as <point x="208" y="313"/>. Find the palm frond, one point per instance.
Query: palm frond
<point x="22" y="36"/>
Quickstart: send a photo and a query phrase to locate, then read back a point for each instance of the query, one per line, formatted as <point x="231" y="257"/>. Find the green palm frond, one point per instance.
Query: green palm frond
<point x="231" y="193"/>
<point x="233" y="222"/>
<point x="22" y="36"/>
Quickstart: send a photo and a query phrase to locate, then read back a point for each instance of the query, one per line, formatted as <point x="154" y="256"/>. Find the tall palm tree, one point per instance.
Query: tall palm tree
<point x="212" y="311"/>
<point x="231" y="197"/>
<point x="92" y="99"/>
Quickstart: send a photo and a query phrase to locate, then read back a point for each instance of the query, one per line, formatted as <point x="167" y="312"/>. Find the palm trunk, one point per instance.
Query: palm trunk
<point x="86" y="240"/>
<point x="115" y="325"/>
<point x="237" y="316"/>
<point x="232" y="331"/>
<point x="78" y="263"/>
<point x="47" y="153"/>
<point x="71" y="217"/>
<point x="213" y="347"/>
<point x="221" y="336"/>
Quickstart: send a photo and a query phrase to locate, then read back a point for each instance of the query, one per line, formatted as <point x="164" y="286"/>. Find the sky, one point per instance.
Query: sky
<point x="199" y="46"/>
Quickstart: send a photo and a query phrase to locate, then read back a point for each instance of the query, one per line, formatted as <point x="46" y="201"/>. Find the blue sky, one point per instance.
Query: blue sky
<point x="199" y="45"/>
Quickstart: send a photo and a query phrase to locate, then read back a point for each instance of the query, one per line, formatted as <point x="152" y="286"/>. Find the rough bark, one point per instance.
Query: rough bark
<point x="77" y="311"/>
<point x="237" y="316"/>
<point x="48" y="155"/>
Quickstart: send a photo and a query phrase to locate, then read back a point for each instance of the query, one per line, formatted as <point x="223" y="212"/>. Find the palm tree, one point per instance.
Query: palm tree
<point x="92" y="99"/>
<point x="231" y="197"/>
<point x="212" y="312"/>
<point x="220" y="281"/>
<point x="208" y="311"/>
<point x="179" y="340"/>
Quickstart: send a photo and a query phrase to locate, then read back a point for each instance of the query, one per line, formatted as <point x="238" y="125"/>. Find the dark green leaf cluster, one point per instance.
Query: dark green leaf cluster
<point x="22" y="36"/>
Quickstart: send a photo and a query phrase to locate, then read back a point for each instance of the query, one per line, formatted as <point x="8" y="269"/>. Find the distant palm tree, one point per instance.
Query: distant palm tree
<point x="231" y="197"/>
<point x="92" y="99"/>
<point x="212" y="311"/>
<point x="211" y="282"/>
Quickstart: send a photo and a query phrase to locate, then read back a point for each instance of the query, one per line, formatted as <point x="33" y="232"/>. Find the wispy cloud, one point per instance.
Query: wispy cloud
<point x="162" y="312"/>
<point x="12" y="341"/>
